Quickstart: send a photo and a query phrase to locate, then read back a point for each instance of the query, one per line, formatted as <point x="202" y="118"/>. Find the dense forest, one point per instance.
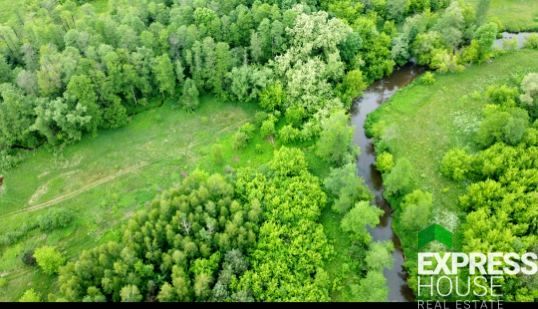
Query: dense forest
<point x="69" y="72"/>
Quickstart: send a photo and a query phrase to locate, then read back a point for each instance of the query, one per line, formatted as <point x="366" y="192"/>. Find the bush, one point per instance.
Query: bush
<point x="9" y="160"/>
<point x="240" y="140"/>
<point x="295" y="115"/>
<point x="532" y="41"/>
<point x="30" y="296"/>
<point x="335" y="144"/>
<point x="506" y="126"/>
<point x="3" y="283"/>
<point x="216" y="154"/>
<point x="49" y="259"/>
<point x="55" y="219"/>
<point x="510" y="44"/>
<point x="258" y="148"/>
<point x="503" y="95"/>
<point x="416" y="210"/>
<point x="244" y="135"/>
<point x="384" y="162"/>
<point x="11" y="237"/>
<point x="28" y="258"/>
<point x="259" y="118"/>
<point x="456" y="164"/>
<point x="400" y="180"/>
<point x="289" y="134"/>
<point x="427" y="78"/>
<point x="268" y="127"/>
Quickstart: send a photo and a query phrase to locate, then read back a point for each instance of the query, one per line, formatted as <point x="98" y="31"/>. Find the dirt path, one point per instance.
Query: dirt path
<point x="72" y="194"/>
<point x="101" y="181"/>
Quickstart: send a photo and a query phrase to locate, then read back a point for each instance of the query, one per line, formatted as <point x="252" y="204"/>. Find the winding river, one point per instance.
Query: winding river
<point x="372" y="98"/>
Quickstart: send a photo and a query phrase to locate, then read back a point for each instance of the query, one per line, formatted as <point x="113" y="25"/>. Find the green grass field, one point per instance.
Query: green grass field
<point x="514" y="15"/>
<point x="421" y="122"/>
<point x="106" y="178"/>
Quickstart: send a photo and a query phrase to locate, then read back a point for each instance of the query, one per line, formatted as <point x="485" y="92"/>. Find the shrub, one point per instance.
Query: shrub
<point x="240" y="140"/>
<point x="268" y="127"/>
<point x="532" y="41"/>
<point x="28" y="258"/>
<point x="384" y="162"/>
<point x="289" y="134"/>
<point x="416" y="210"/>
<point x="400" y="180"/>
<point x="55" y="219"/>
<point x="260" y="117"/>
<point x="49" y="259"/>
<point x="259" y="148"/>
<point x="244" y="135"/>
<point x="503" y="95"/>
<point x="456" y="164"/>
<point x="30" y="296"/>
<point x="216" y="154"/>
<point x="510" y="44"/>
<point x="427" y="78"/>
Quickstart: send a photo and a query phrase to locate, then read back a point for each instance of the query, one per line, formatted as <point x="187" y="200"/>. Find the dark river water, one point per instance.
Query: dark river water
<point x="373" y="97"/>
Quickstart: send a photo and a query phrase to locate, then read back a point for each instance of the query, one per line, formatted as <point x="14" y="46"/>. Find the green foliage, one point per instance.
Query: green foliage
<point x="346" y="187"/>
<point x="268" y="127"/>
<point x="529" y="98"/>
<point x="445" y="62"/>
<point x="335" y="142"/>
<point x="189" y="96"/>
<point x="193" y="235"/>
<point x="16" y="118"/>
<point x="428" y="78"/>
<point x="289" y="134"/>
<point x="361" y="217"/>
<point x="531" y="41"/>
<point x="500" y="188"/>
<point x="30" y="296"/>
<point x="379" y="256"/>
<point x="49" y="259"/>
<point x="416" y="211"/>
<point x="456" y="164"/>
<point x="502" y="95"/>
<point x="164" y="75"/>
<point x="292" y="246"/>
<point x="130" y="293"/>
<point x="504" y="193"/>
<point x="372" y="288"/>
<point x="384" y="162"/>
<point x="485" y="36"/>
<point x="244" y="135"/>
<point x="272" y="97"/>
<point x="502" y="125"/>
<point x="351" y="87"/>
<point x="400" y="180"/>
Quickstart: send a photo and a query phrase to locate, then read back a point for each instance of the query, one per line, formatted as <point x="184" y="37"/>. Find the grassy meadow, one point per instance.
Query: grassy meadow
<point x="422" y="122"/>
<point x="104" y="179"/>
<point x="513" y="15"/>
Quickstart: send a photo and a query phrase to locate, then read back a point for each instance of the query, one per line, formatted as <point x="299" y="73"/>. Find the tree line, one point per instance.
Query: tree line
<point x="68" y="70"/>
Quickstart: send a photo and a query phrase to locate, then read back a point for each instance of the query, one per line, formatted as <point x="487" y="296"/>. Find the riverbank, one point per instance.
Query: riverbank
<point x="373" y="97"/>
<point x="422" y="122"/>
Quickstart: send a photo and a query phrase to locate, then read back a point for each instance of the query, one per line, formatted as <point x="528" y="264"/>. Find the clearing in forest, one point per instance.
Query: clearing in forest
<point x="104" y="179"/>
